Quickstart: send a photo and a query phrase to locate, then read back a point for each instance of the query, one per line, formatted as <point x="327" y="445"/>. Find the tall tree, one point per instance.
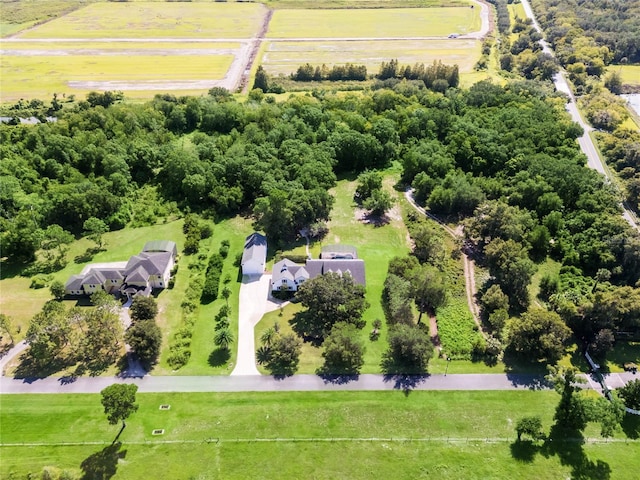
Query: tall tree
<point x="94" y="229"/>
<point x="330" y="298"/>
<point x="145" y="339"/>
<point x="410" y="349"/>
<point x="630" y="393"/>
<point x="539" y="335"/>
<point x="343" y="350"/>
<point x="143" y="308"/>
<point x="509" y="263"/>
<point x="428" y="289"/>
<point x="119" y="402"/>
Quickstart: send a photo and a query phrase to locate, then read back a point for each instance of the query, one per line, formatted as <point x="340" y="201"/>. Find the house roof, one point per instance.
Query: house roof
<point x="339" y="251"/>
<point x="354" y="267"/>
<point x="160" y="246"/>
<point x="285" y="268"/>
<point x="111" y="273"/>
<point x="93" y="277"/>
<point x="155" y="263"/>
<point x="139" y="274"/>
<point x="74" y="282"/>
<point x="255" y="248"/>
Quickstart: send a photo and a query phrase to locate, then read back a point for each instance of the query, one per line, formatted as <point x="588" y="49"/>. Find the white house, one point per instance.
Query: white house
<point x="254" y="256"/>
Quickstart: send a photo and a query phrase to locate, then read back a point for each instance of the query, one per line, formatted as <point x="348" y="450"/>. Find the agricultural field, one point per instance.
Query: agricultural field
<point x="374" y="23"/>
<point x="146" y="20"/>
<point x="285" y="57"/>
<point x="144" y="48"/>
<point x="452" y="434"/>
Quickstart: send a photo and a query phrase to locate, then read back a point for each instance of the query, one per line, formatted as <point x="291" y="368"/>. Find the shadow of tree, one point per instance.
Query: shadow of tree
<point x="219" y="357"/>
<point x="631" y="425"/>
<point x="524" y="450"/>
<point x="405" y="382"/>
<point x="567" y="445"/>
<point x="102" y="465"/>
<point x="29" y="367"/>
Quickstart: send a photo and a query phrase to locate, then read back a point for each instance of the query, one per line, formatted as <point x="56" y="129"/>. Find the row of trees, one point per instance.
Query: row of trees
<point x="348" y="71"/>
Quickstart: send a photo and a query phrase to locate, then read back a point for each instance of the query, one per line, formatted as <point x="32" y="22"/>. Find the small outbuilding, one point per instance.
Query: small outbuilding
<point x="254" y="256"/>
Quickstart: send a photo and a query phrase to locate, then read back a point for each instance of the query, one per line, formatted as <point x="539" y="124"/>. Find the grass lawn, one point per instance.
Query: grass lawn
<point x="384" y="434"/>
<point x="392" y="22"/>
<point x="376" y="246"/>
<point x="548" y="267"/>
<point x="285" y="57"/>
<point x="155" y="20"/>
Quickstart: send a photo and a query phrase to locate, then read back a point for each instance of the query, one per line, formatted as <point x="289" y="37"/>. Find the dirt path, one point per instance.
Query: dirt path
<point x="248" y="61"/>
<point x="433" y="331"/>
<point x="468" y="264"/>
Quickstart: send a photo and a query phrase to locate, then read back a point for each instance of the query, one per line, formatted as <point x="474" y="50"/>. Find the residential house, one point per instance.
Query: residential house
<point x="254" y="256"/>
<point x="143" y="272"/>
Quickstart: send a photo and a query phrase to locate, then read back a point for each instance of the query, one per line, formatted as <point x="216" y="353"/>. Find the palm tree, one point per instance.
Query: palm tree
<point x="223" y="338"/>
<point x="268" y="336"/>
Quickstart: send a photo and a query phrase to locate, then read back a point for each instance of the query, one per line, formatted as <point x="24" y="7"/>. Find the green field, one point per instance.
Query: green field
<point x="155" y="20"/>
<point x="41" y="76"/>
<point x="374" y="23"/>
<point x="457" y="435"/>
<point x="285" y="57"/>
<point x="630" y="73"/>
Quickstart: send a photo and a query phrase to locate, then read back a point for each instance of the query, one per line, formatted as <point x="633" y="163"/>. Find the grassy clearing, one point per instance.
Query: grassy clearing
<point x="630" y="73"/>
<point x="285" y="57"/>
<point x="23" y="14"/>
<point x="155" y="20"/>
<point x="548" y="267"/>
<point x="415" y="22"/>
<point x="54" y="419"/>
<point x="457" y="329"/>
<point x="120" y="47"/>
<point x="376" y="246"/>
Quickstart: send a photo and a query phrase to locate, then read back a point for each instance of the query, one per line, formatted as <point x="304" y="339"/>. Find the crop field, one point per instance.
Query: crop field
<point x="23" y="75"/>
<point x="374" y="23"/>
<point x="630" y="73"/>
<point x="155" y="20"/>
<point x="143" y="48"/>
<point x="285" y="57"/>
<point x="453" y="435"/>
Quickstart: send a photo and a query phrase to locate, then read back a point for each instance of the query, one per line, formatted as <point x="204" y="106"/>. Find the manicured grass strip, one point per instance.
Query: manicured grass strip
<point x="155" y="20"/>
<point x="295" y="431"/>
<point x="392" y="22"/>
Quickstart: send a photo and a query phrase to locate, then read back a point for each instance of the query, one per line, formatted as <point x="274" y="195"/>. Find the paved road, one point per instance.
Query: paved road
<point x="302" y="383"/>
<point x="586" y="143"/>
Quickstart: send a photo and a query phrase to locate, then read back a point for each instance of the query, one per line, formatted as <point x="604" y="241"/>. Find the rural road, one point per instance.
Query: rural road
<point x="586" y="143"/>
<point x="297" y="383"/>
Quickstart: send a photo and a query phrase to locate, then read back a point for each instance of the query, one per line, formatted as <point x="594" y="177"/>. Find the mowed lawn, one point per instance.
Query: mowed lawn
<point x="457" y="435"/>
<point x="374" y="23"/>
<point x="155" y="20"/>
<point x="285" y="57"/>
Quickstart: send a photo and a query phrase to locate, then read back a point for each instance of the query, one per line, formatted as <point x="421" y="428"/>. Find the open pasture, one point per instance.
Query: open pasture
<point x="630" y="74"/>
<point x="453" y="435"/>
<point x="155" y="20"/>
<point x="373" y="23"/>
<point x="285" y="57"/>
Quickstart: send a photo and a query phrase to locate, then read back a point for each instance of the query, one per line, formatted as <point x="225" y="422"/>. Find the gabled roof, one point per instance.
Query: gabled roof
<point x="74" y="282"/>
<point x="93" y="277"/>
<point x="139" y="274"/>
<point x="155" y="263"/>
<point x="160" y="246"/>
<point x="255" y="248"/>
<point x="354" y="267"/>
<point x="111" y="273"/>
<point x="289" y="270"/>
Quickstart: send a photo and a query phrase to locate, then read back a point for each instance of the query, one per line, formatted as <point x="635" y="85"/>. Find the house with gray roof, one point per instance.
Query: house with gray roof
<point x="288" y="276"/>
<point x="254" y="255"/>
<point x="145" y="271"/>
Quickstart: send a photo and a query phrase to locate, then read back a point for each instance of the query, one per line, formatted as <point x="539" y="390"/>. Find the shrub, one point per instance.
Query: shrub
<point x="40" y="281"/>
<point x="178" y="357"/>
